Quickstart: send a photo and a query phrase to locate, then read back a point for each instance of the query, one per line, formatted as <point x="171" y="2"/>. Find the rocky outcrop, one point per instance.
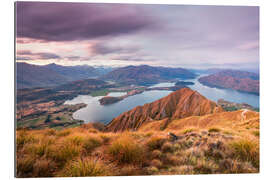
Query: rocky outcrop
<point x="179" y="104"/>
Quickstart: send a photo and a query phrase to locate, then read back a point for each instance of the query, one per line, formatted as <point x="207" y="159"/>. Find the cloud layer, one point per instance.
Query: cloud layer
<point x="168" y="35"/>
<point x="54" y="21"/>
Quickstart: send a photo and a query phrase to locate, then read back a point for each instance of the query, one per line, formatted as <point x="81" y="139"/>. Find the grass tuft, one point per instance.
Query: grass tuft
<point x="91" y="143"/>
<point x="125" y="150"/>
<point x="155" y="142"/>
<point x="213" y="129"/>
<point x="256" y="133"/>
<point x="187" y="130"/>
<point x="84" y="167"/>
<point x="246" y="150"/>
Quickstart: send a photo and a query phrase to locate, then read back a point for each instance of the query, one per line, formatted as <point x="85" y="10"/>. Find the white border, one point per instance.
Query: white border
<point x="7" y="87"/>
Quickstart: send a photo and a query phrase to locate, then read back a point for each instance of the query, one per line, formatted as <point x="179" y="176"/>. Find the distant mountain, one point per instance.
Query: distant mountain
<point x="179" y="104"/>
<point x="37" y="76"/>
<point x="144" y="74"/>
<point x="216" y="70"/>
<point x="29" y="76"/>
<point x="61" y="92"/>
<point x="74" y="72"/>
<point x="82" y="85"/>
<point x="233" y="79"/>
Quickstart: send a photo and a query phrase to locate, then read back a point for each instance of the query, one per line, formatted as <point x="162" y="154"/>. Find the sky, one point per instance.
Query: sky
<point x="133" y="34"/>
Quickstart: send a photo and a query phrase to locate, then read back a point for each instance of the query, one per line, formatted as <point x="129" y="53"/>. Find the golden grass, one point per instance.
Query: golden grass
<point x="125" y="150"/>
<point x="64" y="132"/>
<point x="246" y="150"/>
<point x="213" y="129"/>
<point x="24" y="165"/>
<point x="23" y="137"/>
<point x="82" y="151"/>
<point x="188" y="130"/>
<point x="92" y="142"/>
<point x="155" y="142"/>
<point x="256" y="133"/>
<point x="84" y="168"/>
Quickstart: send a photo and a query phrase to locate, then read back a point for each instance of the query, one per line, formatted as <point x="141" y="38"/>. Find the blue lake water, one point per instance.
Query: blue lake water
<point x="230" y="95"/>
<point x="94" y="112"/>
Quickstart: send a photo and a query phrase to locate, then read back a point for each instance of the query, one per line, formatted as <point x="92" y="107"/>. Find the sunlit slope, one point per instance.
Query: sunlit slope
<point x="179" y="104"/>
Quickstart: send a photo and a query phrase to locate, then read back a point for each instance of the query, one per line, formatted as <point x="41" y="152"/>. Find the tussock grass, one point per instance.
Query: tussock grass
<point x="44" y="168"/>
<point x="183" y="169"/>
<point x="188" y="130"/>
<point x="64" y="153"/>
<point x="125" y="150"/>
<point x="105" y="138"/>
<point x="23" y="137"/>
<point x="152" y="170"/>
<point x="129" y="170"/>
<point x="156" y="154"/>
<point x="64" y="132"/>
<point x="156" y="163"/>
<point x="25" y="165"/>
<point x="91" y="142"/>
<point x="75" y="139"/>
<point x="246" y="150"/>
<point x="84" y="167"/>
<point x="256" y="133"/>
<point x="83" y="152"/>
<point x="50" y="132"/>
<point x="204" y="167"/>
<point x="155" y="142"/>
<point x="167" y="147"/>
<point x="213" y="129"/>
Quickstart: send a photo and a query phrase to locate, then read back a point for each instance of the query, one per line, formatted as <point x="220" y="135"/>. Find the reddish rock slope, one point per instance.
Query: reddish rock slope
<point x="179" y="104"/>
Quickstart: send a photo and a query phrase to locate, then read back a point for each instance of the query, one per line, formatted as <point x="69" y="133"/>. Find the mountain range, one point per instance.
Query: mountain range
<point x="145" y="75"/>
<point x="233" y="79"/>
<point x="29" y="75"/>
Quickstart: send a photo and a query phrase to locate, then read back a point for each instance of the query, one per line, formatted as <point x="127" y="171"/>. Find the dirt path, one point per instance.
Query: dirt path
<point x="243" y="114"/>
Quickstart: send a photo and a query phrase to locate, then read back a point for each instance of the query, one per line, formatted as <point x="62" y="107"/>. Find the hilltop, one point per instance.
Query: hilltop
<point x="179" y="104"/>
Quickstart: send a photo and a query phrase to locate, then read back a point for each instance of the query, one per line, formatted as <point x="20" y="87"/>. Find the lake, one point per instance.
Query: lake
<point x="227" y="94"/>
<point x="94" y="112"/>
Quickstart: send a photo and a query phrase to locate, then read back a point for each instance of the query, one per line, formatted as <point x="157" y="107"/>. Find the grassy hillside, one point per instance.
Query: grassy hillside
<point x="226" y="142"/>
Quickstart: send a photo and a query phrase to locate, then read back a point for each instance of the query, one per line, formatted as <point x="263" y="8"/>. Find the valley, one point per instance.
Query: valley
<point x="100" y="96"/>
<point x="122" y="89"/>
<point x="114" y="127"/>
<point x="207" y="140"/>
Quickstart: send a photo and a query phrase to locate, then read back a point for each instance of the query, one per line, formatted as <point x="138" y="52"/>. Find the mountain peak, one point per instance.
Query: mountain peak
<point x="179" y="104"/>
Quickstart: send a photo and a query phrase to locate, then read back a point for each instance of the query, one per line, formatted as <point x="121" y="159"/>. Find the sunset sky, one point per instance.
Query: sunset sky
<point x="125" y="34"/>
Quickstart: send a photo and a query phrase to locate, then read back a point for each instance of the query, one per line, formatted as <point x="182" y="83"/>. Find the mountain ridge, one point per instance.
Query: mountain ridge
<point x="231" y="79"/>
<point x="179" y="104"/>
<point x="145" y="74"/>
<point x="30" y="76"/>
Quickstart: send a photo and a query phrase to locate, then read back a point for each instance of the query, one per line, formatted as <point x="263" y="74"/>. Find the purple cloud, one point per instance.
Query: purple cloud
<point x="20" y="58"/>
<point x="73" y="57"/>
<point x="56" y="21"/>
<point x="41" y="55"/>
<point x="102" y="48"/>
